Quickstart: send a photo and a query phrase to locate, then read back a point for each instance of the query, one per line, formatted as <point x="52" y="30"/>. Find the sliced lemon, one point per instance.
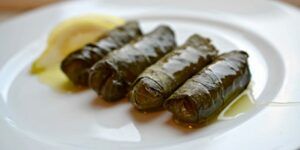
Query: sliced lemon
<point x="71" y="35"/>
<point x="56" y="79"/>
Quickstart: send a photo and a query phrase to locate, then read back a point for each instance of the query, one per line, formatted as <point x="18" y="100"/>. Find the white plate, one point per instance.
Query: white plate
<point x="34" y="116"/>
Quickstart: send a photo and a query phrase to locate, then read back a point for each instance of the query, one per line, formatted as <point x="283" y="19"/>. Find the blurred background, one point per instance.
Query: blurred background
<point x="11" y="8"/>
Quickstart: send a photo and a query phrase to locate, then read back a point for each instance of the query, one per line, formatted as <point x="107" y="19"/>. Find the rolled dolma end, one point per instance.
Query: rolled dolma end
<point x="98" y="74"/>
<point x="183" y="108"/>
<point x="210" y="90"/>
<point x="146" y="94"/>
<point x="112" y="76"/>
<point x="103" y="74"/>
<point x="160" y="80"/>
<point x="115" y="88"/>
<point x="76" y="65"/>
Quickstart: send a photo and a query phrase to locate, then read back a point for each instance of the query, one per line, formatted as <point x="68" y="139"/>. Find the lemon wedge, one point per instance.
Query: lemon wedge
<point x="56" y="79"/>
<point x="72" y="34"/>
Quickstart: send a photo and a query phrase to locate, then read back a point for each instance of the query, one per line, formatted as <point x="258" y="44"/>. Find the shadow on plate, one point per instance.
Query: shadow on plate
<point x="183" y="128"/>
<point x="144" y="117"/>
<point x="98" y="102"/>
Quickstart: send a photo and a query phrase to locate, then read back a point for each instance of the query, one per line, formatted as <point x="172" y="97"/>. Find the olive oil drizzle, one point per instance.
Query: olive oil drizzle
<point x="239" y="106"/>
